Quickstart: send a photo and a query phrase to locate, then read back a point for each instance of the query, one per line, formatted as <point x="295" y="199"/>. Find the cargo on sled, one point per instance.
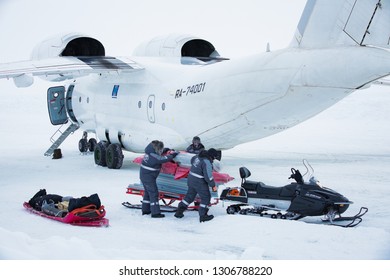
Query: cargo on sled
<point x="172" y="183"/>
<point x="84" y="211"/>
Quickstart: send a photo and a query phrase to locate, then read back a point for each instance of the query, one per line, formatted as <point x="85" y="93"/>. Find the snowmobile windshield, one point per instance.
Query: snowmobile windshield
<point x="313" y="181"/>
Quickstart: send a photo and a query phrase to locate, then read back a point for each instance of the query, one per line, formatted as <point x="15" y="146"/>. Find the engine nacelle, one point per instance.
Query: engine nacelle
<point x="175" y="45"/>
<point x="71" y="44"/>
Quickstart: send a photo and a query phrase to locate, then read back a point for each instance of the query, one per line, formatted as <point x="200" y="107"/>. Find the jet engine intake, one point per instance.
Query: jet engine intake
<point x="72" y="44"/>
<point x="178" y="45"/>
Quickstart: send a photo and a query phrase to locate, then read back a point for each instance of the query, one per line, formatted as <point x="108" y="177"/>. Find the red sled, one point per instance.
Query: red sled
<point x="166" y="197"/>
<point x="75" y="217"/>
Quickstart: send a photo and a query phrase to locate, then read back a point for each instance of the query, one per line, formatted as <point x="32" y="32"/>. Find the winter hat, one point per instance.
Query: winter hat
<point x="214" y="154"/>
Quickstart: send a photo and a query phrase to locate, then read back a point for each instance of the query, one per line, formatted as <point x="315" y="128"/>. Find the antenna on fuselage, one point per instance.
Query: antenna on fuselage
<point x="268" y="48"/>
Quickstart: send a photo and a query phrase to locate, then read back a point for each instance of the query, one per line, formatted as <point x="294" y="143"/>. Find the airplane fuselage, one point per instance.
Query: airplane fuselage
<point x="177" y="86"/>
<point x="225" y="103"/>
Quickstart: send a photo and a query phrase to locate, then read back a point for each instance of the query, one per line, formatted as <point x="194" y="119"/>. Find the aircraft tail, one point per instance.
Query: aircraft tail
<point x="326" y="23"/>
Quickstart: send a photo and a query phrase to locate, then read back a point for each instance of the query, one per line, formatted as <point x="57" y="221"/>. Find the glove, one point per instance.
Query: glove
<point x="174" y="154"/>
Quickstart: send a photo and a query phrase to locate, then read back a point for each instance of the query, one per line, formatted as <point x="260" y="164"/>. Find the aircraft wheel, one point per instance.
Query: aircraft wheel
<point x="92" y="144"/>
<point x="114" y="156"/>
<point x="83" y="145"/>
<point x="100" y="153"/>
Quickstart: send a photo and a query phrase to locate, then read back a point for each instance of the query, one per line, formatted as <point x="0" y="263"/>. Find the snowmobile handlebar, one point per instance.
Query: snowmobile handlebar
<point x="296" y="175"/>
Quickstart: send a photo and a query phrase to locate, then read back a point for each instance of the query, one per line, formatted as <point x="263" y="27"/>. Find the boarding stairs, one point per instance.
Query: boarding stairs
<point x="59" y="136"/>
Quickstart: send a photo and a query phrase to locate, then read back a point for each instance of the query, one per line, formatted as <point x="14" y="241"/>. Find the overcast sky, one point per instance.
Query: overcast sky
<point x="235" y="27"/>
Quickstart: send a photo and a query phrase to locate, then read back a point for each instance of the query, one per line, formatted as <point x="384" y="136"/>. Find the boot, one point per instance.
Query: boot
<point x="205" y="218"/>
<point x="179" y="212"/>
<point x="159" y="215"/>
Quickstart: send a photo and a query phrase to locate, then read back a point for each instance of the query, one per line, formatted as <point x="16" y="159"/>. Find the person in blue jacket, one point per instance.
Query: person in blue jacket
<point x="196" y="147"/>
<point x="200" y="179"/>
<point x="149" y="171"/>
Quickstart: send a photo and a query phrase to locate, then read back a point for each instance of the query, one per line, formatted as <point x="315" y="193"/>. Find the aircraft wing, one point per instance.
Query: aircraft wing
<point x="63" y="68"/>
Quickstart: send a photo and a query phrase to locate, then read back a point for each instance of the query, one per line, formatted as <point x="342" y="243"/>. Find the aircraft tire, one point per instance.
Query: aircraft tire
<point x="114" y="156"/>
<point x="100" y="154"/>
<point x="92" y="144"/>
<point x="83" y="145"/>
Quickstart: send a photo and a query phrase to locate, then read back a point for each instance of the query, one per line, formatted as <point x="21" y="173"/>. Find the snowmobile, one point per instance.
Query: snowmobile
<point x="293" y="202"/>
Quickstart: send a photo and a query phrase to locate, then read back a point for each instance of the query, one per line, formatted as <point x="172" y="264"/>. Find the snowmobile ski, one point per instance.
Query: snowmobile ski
<point x="346" y="222"/>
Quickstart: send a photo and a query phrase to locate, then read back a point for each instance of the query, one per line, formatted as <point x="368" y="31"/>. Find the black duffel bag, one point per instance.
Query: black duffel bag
<point x="75" y="203"/>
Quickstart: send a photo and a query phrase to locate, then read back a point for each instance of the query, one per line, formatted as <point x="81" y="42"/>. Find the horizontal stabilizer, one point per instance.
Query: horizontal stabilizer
<point x="327" y="23"/>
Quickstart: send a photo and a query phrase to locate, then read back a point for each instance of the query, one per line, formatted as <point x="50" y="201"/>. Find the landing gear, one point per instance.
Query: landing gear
<point x="86" y="145"/>
<point x="83" y="145"/>
<point x="109" y="155"/>
<point x="114" y="156"/>
<point x="92" y="144"/>
<point x="100" y="153"/>
<point x="105" y="154"/>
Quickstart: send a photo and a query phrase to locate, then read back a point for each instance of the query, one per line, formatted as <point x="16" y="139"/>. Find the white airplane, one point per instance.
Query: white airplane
<point x="178" y="86"/>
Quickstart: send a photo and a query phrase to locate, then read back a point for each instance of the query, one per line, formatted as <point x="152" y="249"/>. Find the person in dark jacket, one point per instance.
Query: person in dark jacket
<point x="196" y="147"/>
<point x="149" y="171"/>
<point x="200" y="179"/>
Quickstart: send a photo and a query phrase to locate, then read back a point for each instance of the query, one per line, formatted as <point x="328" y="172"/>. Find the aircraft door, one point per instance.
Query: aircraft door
<point x="69" y="107"/>
<point x="56" y="105"/>
<point x="150" y="108"/>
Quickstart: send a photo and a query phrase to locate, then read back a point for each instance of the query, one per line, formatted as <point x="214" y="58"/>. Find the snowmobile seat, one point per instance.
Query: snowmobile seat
<point x="250" y="185"/>
<point x="268" y="191"/>
<point x="289" y="190"/>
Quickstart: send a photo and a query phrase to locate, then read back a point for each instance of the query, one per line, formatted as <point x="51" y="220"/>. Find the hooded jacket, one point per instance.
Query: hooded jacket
<point x="201" y="172"/>
<point x="151" y="164"/>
